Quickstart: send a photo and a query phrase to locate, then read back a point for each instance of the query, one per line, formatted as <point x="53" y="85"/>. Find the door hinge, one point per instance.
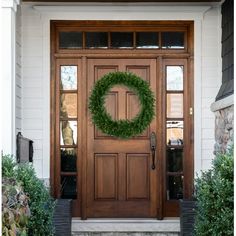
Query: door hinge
<point x="191" y="111"/>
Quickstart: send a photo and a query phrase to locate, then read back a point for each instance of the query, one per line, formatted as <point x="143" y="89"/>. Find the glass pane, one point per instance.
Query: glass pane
<point x="121" y="39"/>
<point x="68" y="187"/>
<point x="174" y="187"/>
<point x="174" y="106"/>
<point x="147" y="40"/>
<point x="174" y="77"/>
<point x="68" y="105"/>
<point x="172" y="40"/>
<point x="69" y="40"/>
<point x="68" y="132"/>
<point x="68" y="159"/>
<point x="174" y="159"/>
<point x="68" y="77"/>
<point x="174" y="132"/>
<point x="96" y="39"/>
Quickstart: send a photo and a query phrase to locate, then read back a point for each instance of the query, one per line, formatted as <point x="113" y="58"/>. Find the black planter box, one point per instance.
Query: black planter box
<point x="187" y="217"/>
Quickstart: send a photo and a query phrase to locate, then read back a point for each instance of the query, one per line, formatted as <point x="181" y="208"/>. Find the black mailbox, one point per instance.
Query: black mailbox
<point x="25" y="151"/>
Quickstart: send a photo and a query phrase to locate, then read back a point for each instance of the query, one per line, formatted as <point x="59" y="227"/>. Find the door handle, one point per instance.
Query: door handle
<point x="153" y="143"/>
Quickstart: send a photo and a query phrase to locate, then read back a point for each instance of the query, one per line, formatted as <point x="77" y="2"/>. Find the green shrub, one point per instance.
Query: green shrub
<point x="214" y="194"/>
<point x="40" y="202"/>
<point x="15" y="209"/>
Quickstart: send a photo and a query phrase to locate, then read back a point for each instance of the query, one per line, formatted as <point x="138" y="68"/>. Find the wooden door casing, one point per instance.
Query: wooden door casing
<point x="86" y="59"/>
<point x="120" y="181"/>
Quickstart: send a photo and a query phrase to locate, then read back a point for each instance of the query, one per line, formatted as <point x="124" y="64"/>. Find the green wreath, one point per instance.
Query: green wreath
<point x="121" y="128"/>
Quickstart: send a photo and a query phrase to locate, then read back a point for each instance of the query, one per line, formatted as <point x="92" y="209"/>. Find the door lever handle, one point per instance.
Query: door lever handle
<point x="153" y="141"/>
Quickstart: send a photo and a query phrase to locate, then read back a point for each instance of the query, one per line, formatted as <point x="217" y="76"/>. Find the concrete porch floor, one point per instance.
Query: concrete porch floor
<point x="126" y="227"/>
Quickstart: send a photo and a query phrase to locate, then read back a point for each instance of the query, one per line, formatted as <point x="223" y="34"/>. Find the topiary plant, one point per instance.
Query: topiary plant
<point x="215" y="198"/>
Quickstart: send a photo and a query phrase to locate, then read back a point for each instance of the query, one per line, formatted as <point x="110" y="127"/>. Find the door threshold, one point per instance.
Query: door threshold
<point x="170" y="225"/>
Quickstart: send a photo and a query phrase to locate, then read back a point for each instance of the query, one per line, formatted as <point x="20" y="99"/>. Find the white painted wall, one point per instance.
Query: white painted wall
<point x="36" y="67"/>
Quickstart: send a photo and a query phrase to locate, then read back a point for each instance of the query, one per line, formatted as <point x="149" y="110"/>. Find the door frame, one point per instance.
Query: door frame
<point x="82" y="55"/>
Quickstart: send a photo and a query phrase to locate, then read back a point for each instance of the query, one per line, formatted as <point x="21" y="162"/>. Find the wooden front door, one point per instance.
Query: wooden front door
<point x="120" y="180"/>
<point x="106" y="176"/>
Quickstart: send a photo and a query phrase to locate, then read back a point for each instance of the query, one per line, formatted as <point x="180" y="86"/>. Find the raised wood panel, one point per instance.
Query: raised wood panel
<point x="101" y="70"/>
<point x="141" y="71"/>
<point x="111" y="104"/>
<point x="137" y="176"/>
<point x="132" y="105"/>
<point x="105" y="173"/>
<point x="132" y="101"/>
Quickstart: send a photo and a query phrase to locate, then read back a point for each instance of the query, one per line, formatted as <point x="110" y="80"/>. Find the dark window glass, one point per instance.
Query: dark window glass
<point x="68" y="187"/>
<point x="172" y="40"/>
<point x="174" y="160"/>
<point x="147" y="40"/>
<point x="68" y="159"/>
<point x="121" y="39"/>
<point x="174" y="187"/>
<point x="96" y="39"/>
<point x="69" y="40"/>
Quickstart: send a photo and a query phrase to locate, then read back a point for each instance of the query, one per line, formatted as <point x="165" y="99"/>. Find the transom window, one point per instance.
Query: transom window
<point x="122" y="40"/>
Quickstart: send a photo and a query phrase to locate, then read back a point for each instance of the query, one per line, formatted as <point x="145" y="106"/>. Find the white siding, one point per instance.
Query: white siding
<point x="36" y="74"/>
<point x="211" y="79"/>
<point x="18" y="73"/>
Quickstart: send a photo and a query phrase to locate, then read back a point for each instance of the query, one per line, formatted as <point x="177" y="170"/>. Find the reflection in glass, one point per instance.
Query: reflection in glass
<point x="68" y="132"/>
<point x="174" y="77"/>
<point x="68" y="159"/>
<point x="174" y="159"/>
<point x="96" y="39"/>
<point x="121" y="39"/>
<point x="147" y="40"/>
<point x="174" y="132"/>
<point x="69" y="40"/>
<point x="174" y="187"/>
<point x="174" y="106"/>
<point x="68" y="187"/>
<point x="172" y="40"/>
<point x="68" y="77"/>
<point x="68" y="105"/>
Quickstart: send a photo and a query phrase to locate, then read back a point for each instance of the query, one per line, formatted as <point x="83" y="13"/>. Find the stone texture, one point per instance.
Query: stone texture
<point x="124" y="234"/>
<point x="224" y="129"/>
<point x="111" y="227"/>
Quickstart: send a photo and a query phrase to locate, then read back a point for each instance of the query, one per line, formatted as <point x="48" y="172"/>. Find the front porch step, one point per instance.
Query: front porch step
<point x="126" y="227"/>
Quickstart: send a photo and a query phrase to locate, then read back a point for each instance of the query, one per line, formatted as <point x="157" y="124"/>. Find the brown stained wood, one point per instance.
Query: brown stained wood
<point x="134" y="178"/>
<point x="115" y="192"/>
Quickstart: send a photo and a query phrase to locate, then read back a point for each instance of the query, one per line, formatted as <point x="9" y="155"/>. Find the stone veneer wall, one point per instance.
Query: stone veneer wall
<point x="224" y="127"/>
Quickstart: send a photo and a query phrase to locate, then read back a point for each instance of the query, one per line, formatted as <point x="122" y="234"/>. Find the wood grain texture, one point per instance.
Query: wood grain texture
<point x="114" y="177"/>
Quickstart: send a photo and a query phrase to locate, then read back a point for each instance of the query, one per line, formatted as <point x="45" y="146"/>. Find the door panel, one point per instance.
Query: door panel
<point x="120" y="181"/>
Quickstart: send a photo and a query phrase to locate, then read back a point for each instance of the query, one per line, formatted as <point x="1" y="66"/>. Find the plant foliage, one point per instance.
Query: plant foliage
<point x="121" y="128"/>
<point x="40" y="202"/>
<point x="214" y="193"/>
<point x="15" y="209"/>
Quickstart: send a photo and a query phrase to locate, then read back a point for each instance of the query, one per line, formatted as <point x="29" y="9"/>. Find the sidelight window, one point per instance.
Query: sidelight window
<point x="174" y="131"/>
<point x="68" y="130"/>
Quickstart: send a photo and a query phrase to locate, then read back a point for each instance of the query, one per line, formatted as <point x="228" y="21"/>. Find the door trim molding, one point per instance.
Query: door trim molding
<point x="84" y="57"/>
